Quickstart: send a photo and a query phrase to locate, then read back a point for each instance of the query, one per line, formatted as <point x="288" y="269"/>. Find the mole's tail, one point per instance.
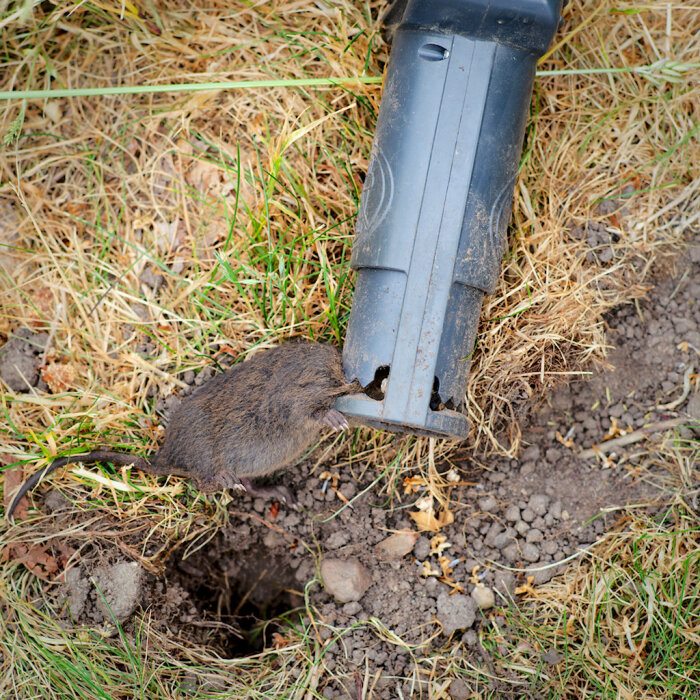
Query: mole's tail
<point x="121" y="458"/>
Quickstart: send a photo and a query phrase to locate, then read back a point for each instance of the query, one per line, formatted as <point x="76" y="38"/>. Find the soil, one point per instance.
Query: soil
<point x="513" y="519"/>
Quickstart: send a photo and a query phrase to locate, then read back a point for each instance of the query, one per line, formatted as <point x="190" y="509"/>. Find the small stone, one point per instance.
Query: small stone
<point x="397" y="545"/>
<point x="352" y="608"/>
<point x="522" y="527"/>
<point x="527" y="469"/>
<point x="488" y="504"/>
<point x="512" y="514"/>
<point x="550" y="547"/>
<point x="501" y="540"/>
<point x="530" y="552"/>
<point x="345" y="579"/>
<point x="555" y="510"/>
<point x="455" y="612"/>
<point x="606" y="254"/>
<point x="337" y="539"/>
<point x="421" y="550"/>
<point x="459" y="690"/>
<point x="528" y="515"/>
<point x="19" y="368"/>
<point x="77" y="589"/>
<point x="693" y="407"/>
<point x="349" y="490"/>
<point x="531" y="454"/>
<point x="511" y="552"/>
<point x="151" y="279"/>
<point x="565" y="515"/>
<point x="494" y="530"/>
<point x="534" y="535"/>
<point x="538" y="503"/>
<point x="470" y="638"/>
<point x="483" y="597"/>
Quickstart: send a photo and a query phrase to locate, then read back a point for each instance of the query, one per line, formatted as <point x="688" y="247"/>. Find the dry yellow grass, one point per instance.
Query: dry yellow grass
<point x="244" y="201"/>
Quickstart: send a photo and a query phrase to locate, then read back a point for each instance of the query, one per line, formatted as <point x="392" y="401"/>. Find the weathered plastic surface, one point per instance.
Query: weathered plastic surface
<point x="437" y="198"/>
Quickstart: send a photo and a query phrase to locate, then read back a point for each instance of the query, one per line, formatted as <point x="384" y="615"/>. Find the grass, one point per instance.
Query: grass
<point x="244" y="201"/>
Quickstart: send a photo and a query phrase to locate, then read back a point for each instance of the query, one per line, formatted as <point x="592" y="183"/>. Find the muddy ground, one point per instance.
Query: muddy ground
<point x="513" y="519"/>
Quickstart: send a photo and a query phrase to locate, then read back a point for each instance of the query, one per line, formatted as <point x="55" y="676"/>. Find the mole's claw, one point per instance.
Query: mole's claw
<point x="335" y="419"/>
<point x="279" y="493"/>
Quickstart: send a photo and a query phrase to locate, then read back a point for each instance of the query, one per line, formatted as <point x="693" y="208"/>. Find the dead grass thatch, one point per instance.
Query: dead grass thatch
<point x="148" y="234"/>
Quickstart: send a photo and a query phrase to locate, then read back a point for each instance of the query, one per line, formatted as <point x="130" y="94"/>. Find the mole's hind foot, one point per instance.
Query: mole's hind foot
<point x="335" y="419"/>
<point x="278" y="493"/>
<point x="221" y="481"/>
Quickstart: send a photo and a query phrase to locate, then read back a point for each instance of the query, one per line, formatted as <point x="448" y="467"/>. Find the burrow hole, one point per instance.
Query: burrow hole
<point x="242" y="597"/>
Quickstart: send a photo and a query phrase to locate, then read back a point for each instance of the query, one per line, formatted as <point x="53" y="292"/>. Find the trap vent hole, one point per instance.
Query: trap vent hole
<point x="377" y="387"/>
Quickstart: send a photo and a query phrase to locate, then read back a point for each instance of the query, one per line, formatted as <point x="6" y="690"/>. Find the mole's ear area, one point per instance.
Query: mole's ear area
<point x="335" y="420"/>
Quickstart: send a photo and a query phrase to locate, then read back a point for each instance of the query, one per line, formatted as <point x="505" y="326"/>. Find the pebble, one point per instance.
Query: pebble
<point x="421" y="549"/>
<point x="530" y="552"/>
<point x="528" y="515"/>
<point x="345" y="579"/>
<point x="522" y="527"/>
<point x="538" y="503"/>
<point x="555" y="510"/>
<point x="397" y="545"/>
<point x="511" y="552"/>
<point x="484" y="597"/>
<point x="550" y="547"/>
<point x="505" y="583"/>
<point x="352" y="608"/>
<point x="527" y="469"/>
<point x="488" y="504"/>
<point x="531" y="454"/>
<point x="512" y="513"/>
<point x="455" y="612"/>
<point x="693" y="407"/>
<point x="534" y="535"/>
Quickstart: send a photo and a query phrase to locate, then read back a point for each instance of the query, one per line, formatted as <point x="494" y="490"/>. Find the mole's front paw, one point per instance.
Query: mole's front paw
<point x="278" y="493"/>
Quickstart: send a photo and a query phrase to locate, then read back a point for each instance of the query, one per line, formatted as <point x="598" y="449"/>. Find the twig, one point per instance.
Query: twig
<point x="686" y="390"/>
<point x="634" y="436"/>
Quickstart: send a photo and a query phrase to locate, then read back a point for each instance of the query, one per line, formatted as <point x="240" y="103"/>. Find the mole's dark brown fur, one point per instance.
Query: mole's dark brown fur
<point x="246" y="422"/>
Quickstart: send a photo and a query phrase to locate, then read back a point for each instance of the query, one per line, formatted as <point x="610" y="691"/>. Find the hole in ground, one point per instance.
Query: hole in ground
<point x="239" y="595"/>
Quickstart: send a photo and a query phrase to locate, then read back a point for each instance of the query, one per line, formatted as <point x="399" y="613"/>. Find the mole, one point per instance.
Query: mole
<point x="252" y="419"/>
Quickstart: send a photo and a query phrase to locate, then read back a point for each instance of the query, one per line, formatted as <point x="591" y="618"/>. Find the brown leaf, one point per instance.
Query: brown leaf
<point x="427" y="520"/>
<point x="13" y="479"/>
<point x="58" y="376"/>
<point x="38" y="560"/>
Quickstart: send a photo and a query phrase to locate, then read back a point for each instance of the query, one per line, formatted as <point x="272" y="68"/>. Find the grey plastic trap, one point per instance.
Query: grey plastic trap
<point x="431" y="229"/>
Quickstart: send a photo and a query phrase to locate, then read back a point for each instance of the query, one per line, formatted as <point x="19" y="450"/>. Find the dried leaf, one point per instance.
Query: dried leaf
<point x="38" y="560"/>
<point x="526" y="588"/>
<point x="279" y="641"/>
<point x="428" y="570"/>
<point x="59" y="376"/>
<point x="438" y="544"/>
<point x="13" y="479"/>
<point x="427" y="520"/>
<point x="445" y="566"/>
<point x="567" y="443"/>
<point x="413" y="484"/>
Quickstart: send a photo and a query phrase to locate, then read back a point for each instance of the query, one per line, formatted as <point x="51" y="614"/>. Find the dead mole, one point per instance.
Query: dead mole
<point x="246" y="422"/>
